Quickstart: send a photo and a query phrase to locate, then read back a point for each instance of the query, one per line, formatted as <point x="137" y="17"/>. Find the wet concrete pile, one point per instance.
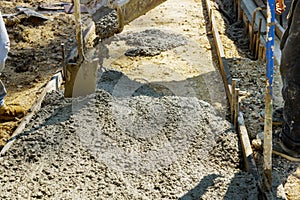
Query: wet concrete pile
<point x="151" y="42"/>
<point x="138" y="147"/>
<point x="107" y="25"/>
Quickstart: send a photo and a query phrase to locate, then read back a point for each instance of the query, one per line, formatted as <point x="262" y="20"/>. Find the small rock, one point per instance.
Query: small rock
<point x="257" y="144"/>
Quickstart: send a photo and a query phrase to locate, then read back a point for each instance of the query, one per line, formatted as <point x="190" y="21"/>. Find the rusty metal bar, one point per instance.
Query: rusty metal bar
<point x="253" y="28"/>
<point x="258" y="39"/>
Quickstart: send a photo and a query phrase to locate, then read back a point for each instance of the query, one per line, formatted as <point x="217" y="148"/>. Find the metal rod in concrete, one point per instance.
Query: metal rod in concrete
<point x="258" y="39"/>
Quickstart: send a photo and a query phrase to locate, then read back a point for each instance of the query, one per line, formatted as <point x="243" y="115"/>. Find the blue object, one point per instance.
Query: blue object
<point x="270" y="45"/>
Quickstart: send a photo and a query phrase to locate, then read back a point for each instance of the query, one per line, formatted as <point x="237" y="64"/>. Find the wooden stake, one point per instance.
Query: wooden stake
<point x="240" y="12"/>
<point x="237" y="107"/>
<point x="232" y="101"/>
<point x="63" y="62"/>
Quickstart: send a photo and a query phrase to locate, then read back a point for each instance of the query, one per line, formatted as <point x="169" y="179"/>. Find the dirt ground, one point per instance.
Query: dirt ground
<point x="162" y="54"/>
<point x="35" y="54"/>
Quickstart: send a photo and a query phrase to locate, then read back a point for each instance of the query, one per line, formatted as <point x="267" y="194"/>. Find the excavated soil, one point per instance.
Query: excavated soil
<point x="155" y="129"/>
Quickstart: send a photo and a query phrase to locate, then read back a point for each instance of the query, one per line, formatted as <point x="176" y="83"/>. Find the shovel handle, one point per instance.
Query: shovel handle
<point x="78" y="30"/>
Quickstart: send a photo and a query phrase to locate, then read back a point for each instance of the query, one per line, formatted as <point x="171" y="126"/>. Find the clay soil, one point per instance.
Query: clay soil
<point x="160" y="108"/>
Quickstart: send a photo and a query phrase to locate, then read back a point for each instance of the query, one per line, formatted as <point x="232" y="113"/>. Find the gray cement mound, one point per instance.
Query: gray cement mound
<point x="151" y="42"/>
<point x="104" y="147"/>
<point x="106" y="25"/>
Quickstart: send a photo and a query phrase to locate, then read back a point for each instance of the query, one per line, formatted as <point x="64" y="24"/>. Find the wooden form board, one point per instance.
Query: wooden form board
<point x="246" y="146"/>
<point x="223" y="66"/>
<point x="242" y="130"/>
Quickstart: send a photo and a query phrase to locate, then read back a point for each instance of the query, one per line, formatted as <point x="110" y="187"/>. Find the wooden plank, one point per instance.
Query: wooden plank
<point x="257" y="42"/>
<point x="247" y="149"/>
<point x="232" y="106"/>
<point x="225" y="72"/>
<point x="236" y="106"/>
<point x="246" y="146"/>
<point x="240" y="12"/>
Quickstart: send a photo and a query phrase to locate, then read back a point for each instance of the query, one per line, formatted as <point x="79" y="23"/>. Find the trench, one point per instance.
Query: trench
<point x="149" y="132"/>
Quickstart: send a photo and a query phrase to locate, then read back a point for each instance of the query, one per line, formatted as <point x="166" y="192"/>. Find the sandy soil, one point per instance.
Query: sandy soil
<point x="34" y="57"/>
<point x="159" y="66"/>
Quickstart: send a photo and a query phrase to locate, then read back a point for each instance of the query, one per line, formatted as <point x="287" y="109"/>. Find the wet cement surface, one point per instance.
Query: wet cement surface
<point x="131" y="147"/>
